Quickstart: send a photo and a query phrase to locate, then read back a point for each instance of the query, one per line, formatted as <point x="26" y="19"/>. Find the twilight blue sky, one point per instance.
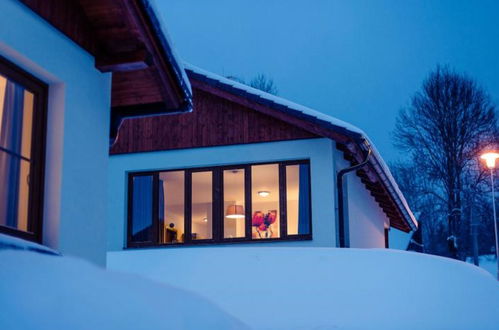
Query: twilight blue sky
<point x="357" y="60"/>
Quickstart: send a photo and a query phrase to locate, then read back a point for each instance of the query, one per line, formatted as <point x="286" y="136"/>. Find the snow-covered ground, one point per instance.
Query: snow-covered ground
<point x="42" y="291"/>
<point x="327" y="288"/>
<point x="487" y="262"/>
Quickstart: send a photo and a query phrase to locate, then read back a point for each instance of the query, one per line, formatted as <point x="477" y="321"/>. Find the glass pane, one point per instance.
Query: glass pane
<point x="265" y="201"/>
<point x="234" y="207"/>
<point x="27" y="124"/>
<point x="298" y="199"/>
<point x="142" y="230"/>
<point x="14" y="191"/>
<point x="202" y="199"/>
<point x="171" y="207"/>
<point x="16" y="117"/>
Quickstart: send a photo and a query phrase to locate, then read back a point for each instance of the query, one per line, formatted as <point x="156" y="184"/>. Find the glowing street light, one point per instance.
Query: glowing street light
<point x="490" y="161"/>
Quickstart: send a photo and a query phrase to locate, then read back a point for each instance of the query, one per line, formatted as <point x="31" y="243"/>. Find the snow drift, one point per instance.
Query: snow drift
<point x="41" y="291"/>
<point x="327" y="288"/>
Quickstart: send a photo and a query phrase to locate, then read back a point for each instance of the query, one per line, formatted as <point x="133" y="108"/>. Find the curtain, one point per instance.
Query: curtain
<point x="142" y="209"/>
<point x="304" y="200"/>
<point x="10" y="139"/>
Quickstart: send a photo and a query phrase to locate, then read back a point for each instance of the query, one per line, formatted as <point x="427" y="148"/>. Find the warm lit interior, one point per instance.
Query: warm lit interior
<point x="292" y="186"/>
<point x="16" y="119"/>
<point x="217" y="208"/>
<point x="234" y="206"/>
<point x="202" y="201"/>
<point x="265" y="209"/>
<point x="171" y="207"/>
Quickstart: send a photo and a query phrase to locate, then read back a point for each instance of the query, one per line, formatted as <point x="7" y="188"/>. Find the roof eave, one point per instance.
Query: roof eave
<point x="354" y="135"/>
<point x="165" y="43"/>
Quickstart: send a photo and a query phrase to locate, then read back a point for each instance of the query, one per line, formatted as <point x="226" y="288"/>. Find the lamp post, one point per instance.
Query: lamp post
<point x="490" y="161"/>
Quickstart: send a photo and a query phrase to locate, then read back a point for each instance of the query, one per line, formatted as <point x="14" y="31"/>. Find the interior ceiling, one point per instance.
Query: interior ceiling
<point x="264" y="178"/>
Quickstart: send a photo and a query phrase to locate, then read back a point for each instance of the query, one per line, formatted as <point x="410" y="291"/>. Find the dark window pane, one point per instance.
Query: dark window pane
<point x="298" y="199"/>
<point x="171" y="207"/>
<point x="202" y="202"/>
<point x="265" y="201"/>
<point x="142" y="209"/>
<point x="234" y="207"/>
<point x="14" y="191"/>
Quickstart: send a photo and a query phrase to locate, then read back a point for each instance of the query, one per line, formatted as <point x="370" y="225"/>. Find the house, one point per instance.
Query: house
<point x="238" y="166"/>
<point x="248" y="167"/>
<point x="70" y="70"/>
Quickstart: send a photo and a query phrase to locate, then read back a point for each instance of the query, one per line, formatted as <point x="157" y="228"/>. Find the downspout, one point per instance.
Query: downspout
<point x="339" y="188"/>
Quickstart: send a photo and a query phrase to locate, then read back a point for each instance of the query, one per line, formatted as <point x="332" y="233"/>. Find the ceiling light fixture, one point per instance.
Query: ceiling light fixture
<point x="235" y="212"/>
<point x="263" y="193"/>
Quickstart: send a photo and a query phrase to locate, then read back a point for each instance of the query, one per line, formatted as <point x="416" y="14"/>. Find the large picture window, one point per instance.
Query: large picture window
<point x="22" y="138"/>
<point x="243" y="203"/>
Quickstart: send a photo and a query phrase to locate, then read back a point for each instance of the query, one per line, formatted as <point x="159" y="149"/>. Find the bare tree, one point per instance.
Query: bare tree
<point x="448" y="122"/>
<point x="260" y="81"/>
<point x="263" y="83"/>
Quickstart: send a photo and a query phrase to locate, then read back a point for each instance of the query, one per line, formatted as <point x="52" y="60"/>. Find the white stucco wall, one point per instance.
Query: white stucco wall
<point x="78" y="126"/>
<point x="366" y="219"/>
<point x="318" y="151"/>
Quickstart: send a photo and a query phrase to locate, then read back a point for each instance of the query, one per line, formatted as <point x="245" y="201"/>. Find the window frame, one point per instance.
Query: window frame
<point x="38" y="147"/>
<point x="218" y="209"/>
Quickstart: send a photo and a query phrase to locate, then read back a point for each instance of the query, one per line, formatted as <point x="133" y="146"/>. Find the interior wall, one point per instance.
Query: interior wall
<point x="77" y="132"/>
<point x="318" y="151"/>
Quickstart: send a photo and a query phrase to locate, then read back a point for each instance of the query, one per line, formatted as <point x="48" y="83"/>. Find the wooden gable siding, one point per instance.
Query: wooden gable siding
<point x="125" y="38"/>
<point x="215" y="121"/>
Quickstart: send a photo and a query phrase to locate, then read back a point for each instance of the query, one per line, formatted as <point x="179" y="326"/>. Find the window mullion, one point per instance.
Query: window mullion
<point x="282" y="201"/>
<point x="130" y="209"/>
<point x="247" y="201"/>
<point x="188" y="207"/>
<point x="14" y="154"/>
<point x="155" y="208"/>
<point x="217" y="208"/>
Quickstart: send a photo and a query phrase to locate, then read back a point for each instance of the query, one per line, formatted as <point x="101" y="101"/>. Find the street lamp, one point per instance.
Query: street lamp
<point x="490" y="161"/>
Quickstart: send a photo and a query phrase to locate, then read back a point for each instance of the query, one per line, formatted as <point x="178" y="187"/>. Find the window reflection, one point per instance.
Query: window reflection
<point x="142" y="230"/>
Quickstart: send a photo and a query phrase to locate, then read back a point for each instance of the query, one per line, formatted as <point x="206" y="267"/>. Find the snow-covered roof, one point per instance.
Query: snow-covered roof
<point x="167" y="43"/>
<point x="324" y="120"/>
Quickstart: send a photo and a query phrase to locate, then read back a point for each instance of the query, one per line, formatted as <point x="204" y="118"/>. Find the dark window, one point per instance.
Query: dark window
<point x="22" y="150"/>
<point x="244" y="203"/>
<point x="387" y="238"/>
<point x="142" y="209"/>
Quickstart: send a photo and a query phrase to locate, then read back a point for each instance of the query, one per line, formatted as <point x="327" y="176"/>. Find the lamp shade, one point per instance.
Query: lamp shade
<point x="235" y="211"/>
